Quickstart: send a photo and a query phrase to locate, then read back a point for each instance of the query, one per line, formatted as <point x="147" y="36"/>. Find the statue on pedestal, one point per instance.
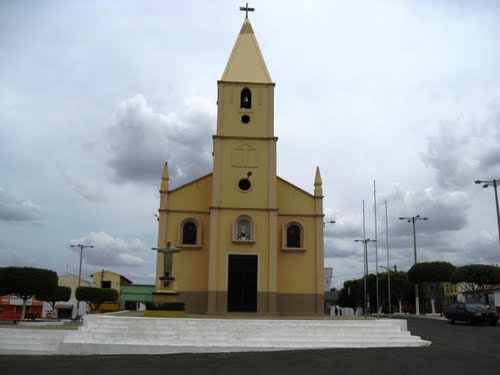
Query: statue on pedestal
<point x="168" y="252"/>
<point x="166" y="302"/>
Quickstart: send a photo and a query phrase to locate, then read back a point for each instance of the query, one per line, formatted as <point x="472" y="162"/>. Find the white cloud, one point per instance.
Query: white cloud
<point x="385" y="97"/>
<point x="463" y="151"/>
<point x="109" y="251"/>
<point x="140" y="140"/>
<point x="86" y="191"/>
<point x="446" y="210"/>
<point x="9" y="257"/>
<point x="13" y="208"/>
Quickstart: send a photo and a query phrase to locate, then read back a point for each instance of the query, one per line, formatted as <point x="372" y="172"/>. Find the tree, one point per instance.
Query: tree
<point x="26" y="282"/>
<point x="95" y="297"/>
<point x="383" y="292"/>
<point x="401" y="288"/>
<point x="475" y="278"/>
<point x="431" y="275"/>
<point x="61" y="293"/>
<point x="352" y="294"/>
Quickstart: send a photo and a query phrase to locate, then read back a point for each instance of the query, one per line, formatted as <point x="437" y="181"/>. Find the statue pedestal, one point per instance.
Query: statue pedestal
<point x="166" y="301"/>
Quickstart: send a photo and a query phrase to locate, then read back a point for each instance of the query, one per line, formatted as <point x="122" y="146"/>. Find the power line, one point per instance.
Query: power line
<point x="480" y="261"/>
<point x="349" y="274"/>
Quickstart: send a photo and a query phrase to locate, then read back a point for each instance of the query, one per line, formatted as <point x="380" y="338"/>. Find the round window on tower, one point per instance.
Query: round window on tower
<point x="244" y="184"/>
<point x="245" y="119"/>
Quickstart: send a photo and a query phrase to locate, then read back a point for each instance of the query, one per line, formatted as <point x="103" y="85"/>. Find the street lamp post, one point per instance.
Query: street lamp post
<point x="413" y="219"/>
<point x="388" y="286"/>
<point x="80" y="271"/>
<point x="328" y="222"/>
<point x="493" y="183"/>
<point x="387" y="246"/>
<point x="365" y="244"/>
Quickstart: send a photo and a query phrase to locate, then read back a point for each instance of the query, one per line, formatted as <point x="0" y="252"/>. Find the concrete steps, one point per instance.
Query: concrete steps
<point x="103" y="334"/>
<point x="30" y="341"/>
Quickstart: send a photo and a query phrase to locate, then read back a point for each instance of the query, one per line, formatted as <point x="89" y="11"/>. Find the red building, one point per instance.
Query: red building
<point x="13" y="304"/>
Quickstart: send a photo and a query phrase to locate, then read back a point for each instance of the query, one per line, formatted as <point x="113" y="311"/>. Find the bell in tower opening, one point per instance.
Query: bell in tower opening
<point x="246" y="98"/>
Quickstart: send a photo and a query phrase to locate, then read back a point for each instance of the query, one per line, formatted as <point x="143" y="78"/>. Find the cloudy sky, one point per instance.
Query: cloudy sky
<point x="96" y="95"/>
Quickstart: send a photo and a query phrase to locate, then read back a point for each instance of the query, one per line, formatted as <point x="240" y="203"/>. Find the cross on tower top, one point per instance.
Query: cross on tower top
<point x="247" y="9"/>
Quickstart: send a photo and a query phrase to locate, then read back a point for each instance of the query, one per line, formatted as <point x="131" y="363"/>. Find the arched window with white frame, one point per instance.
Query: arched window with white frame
<point x="190" y="233"/>
<point x="293" y="236"/>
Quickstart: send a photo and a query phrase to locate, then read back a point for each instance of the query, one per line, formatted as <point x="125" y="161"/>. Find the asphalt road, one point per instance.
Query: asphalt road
<point x="455" y="349"/>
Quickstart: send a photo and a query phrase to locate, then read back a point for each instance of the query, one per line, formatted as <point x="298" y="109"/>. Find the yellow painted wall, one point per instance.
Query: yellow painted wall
<point x="189" y="201"/>
<point x="261" y="114"/>
<point x="292" y="200"/>
<point x="297" y="271"/>
<point x="106" y="276"/>
<point x="257" y="196"/>
<point x="240" y="149"/>
<point x="194" y="196"/>
<point x="71" y="281"/>
<point x="451" y="289"/>
<point x="228" y="246"/>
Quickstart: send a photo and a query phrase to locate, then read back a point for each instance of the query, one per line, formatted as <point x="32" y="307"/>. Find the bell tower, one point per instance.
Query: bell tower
<point x="244" y="175"/>
<point x="245" y="146"/>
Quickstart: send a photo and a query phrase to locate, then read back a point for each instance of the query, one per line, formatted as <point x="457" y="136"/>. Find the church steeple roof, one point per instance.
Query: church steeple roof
<point x="246" y="63"/>
<point x="164" y="178"/>
<point x="318" y="184"/>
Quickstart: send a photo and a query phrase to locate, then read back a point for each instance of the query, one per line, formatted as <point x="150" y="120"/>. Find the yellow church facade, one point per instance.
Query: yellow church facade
<point x="249" y="240"/>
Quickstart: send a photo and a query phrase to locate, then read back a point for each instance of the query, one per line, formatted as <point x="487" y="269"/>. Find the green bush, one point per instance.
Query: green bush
<point x="61" y="293"/>
<point x="431" y="272"/>
<point x="95" y="297"/>
<point x="167" y="306"/>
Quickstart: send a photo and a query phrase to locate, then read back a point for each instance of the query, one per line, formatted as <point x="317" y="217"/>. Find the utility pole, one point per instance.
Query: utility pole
<point x="388" y="270"/>
<point x="376" y="245"/>
<point x="412" y="220"/>
<point x="365" y="242"/>
<point x="80" y="271"/>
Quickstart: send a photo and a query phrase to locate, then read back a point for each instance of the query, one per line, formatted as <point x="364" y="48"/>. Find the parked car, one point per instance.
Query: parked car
<point x="470" y="313"/>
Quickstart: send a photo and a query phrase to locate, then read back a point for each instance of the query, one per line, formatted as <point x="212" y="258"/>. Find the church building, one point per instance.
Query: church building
<point x="249" y="240"/>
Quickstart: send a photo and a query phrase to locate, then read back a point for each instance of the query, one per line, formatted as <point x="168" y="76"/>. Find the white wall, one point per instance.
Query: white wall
<point x="328" y="278"/>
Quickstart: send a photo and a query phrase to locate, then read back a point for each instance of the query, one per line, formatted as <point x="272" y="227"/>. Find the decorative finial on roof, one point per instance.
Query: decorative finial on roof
<point x="318" y="189"/>
<point x="247" y="9"/>
<point x="164" y="178"/>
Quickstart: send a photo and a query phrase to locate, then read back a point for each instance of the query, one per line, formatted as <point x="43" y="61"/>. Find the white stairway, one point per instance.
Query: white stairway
<point x="105" y="334"/>
<point x="30" y="341"/>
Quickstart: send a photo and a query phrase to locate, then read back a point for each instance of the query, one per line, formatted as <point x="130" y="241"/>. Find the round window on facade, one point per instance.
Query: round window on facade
<point x="244" y="184"/>
<point x="245" y="119"/>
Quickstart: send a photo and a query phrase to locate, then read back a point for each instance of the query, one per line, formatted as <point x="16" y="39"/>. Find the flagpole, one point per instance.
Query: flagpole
<point x="376" y="243"/>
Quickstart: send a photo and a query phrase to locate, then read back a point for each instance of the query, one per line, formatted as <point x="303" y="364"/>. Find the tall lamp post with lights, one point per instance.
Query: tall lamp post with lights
<point x="80" y="271"/>
<point x="328" y="222"/>
<point x="365" y="244"/>
<point x="493" y="183"/>
<point x="413" y="219"/>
